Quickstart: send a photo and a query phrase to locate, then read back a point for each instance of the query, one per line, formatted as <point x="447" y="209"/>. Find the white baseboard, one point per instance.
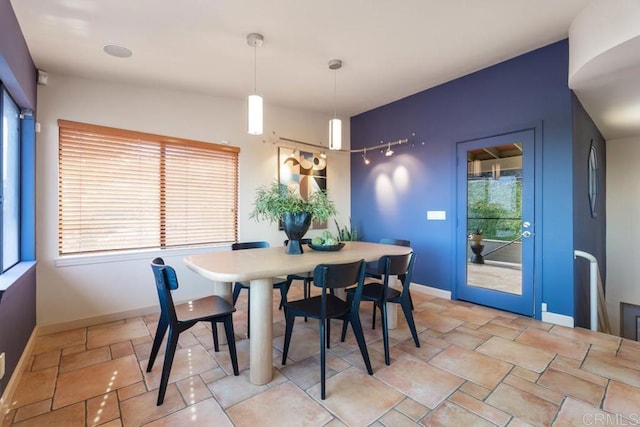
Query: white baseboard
<point x="429" y="290"/>
<point x="557" y="319"/>
<point x="90" y="321"/>
<point x="7" y="395"/>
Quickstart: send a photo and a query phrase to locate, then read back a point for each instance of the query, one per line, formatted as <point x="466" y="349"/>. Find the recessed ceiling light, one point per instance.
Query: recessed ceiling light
<point x="117" y="50"/>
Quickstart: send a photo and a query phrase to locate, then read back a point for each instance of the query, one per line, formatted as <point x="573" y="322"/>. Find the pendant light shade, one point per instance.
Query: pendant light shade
<point x="335" y="134"/>
<point x="255" y="100"/>
<point x="255" y="115"/>
<point x="335" y="124"/>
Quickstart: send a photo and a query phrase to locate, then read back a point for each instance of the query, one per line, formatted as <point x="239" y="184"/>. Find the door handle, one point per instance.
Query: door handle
<point x="526" y="234"/>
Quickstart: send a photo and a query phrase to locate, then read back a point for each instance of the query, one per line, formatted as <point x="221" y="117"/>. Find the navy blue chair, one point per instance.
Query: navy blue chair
<point x="327" y="306"/>
<point x="283" y="286"/>
<point x="178" y="319"/>
<point x="372" y="267"/>
<point x="380" y="293"/>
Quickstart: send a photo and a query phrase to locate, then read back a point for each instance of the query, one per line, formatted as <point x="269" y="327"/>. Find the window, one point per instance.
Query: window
<point x="10" y="197"/>
<point x="123" y="190"/>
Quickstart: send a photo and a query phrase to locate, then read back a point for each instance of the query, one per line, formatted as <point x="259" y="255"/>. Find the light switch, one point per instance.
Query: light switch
<point x="436" y="215"/>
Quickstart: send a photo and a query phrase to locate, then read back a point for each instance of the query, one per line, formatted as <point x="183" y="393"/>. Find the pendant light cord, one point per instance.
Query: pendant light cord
<point x="335" y="91"/>
<point x="255" y="69"/>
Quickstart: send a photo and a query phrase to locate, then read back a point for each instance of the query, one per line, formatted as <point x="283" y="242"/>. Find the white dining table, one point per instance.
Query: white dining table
<point x="259" y="267"/>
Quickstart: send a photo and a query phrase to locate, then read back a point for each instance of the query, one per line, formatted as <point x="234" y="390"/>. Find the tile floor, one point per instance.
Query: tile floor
<point x="475" y="366"/>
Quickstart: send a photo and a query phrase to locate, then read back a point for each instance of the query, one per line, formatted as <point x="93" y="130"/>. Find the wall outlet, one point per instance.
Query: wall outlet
<point x="2" y="365"/>
<point x="544" y="306"/>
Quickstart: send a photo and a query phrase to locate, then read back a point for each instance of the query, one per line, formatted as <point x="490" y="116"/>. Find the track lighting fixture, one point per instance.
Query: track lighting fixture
<point x="389" y="151"/>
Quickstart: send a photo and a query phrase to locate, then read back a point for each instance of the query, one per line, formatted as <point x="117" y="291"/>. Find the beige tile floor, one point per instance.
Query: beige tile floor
<point x="475" y="366"/>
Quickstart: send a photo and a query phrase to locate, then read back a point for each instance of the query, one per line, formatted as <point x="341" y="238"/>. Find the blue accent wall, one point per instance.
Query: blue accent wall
<point x="391" y="196"/>
<point x="589" y="232"/>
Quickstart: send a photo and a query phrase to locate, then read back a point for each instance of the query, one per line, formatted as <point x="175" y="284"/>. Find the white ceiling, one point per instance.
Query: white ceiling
<point x="390" y="49"/>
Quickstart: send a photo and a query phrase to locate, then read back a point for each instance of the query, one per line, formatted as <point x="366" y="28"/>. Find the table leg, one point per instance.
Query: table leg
<point x="260" y="343"/>
<point x="223" y="289"/>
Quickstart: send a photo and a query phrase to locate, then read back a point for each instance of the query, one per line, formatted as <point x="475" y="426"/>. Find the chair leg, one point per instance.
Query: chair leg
<point x="287" y="336"/>
<point x="385" y="333"/>
<point x="214" y="332"/>
<point x="410" y="299"/>
<point x="328" y="328"/>
<point x="345" y="323"/>
<point x="322" y="358"/>
<point x="231" y="340"/>
<point x="406" y="308"/>
<point x="284" y="289"/>
<point x="357" y="331"/>
<point x="236" y="292"/>
<point x="172" y="343"/>
<point x="373" y="321"/>
<point x="306" y="290"/>
<point x="307" y="287"/>
<point x="161" y="330"/>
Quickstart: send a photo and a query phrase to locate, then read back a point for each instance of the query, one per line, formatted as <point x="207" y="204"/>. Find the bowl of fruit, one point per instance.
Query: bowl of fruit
<point x="325" y="242"/>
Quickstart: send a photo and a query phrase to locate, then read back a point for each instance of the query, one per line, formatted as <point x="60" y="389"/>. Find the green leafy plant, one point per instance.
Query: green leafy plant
<point x="273" y="201"/>
<point x="349" y="233"/>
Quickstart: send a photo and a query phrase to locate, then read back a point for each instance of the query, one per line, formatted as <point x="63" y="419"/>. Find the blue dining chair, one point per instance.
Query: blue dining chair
<point x="372" y="267"/>
<point x="380" y="293"/>
<point x="327" y="306"/>
<point x="179" y="318"/>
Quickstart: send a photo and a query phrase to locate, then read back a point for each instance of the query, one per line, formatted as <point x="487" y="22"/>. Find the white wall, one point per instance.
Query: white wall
<point x="623" y="227"/>
<point x="69" y="293"/>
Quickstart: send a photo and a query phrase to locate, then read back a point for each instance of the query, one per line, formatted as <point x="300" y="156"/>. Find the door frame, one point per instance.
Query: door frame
<point x="537" y="128"/>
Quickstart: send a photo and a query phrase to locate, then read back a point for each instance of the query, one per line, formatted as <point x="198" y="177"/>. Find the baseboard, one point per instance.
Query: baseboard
<point x="429" y="290"/>
<point x="557" y="319"/>
<point x="7" y="395"/>
<point x="90" y="321"/>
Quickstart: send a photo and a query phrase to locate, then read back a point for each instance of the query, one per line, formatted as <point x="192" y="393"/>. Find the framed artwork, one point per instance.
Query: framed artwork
<point x="304" y="172"/>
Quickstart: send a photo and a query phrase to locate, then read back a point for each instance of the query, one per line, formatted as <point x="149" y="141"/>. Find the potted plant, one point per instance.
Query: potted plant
<point x="277" y="202"/>
<point x="476" y="237"/>
<point x="347" y="233"/>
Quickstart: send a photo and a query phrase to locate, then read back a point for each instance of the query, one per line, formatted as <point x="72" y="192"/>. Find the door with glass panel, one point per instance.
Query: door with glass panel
<point x="495" y="244"/>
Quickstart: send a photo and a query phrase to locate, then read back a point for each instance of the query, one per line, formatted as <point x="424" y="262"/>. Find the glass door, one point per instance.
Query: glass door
<point x="495" y="218"/>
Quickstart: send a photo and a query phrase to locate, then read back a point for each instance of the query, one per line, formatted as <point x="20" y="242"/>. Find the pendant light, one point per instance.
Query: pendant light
<point x="255" y="101"/>
<point x="335" y="124"/>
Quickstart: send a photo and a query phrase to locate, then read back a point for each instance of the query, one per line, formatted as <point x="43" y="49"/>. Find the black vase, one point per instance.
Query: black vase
<point x="295" y="226"/>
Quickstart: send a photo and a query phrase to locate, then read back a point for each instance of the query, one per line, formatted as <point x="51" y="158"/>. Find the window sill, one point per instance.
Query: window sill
<point x="14" y="274"/>
<point x="68" y="261"/>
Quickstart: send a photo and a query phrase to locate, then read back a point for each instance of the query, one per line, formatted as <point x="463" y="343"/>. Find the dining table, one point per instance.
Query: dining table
<point x="258" y="267"/>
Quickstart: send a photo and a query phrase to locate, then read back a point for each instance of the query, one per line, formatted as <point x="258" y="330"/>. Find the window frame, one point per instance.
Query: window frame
<point x="158" y="148"/>
<point x="17" y="185"/>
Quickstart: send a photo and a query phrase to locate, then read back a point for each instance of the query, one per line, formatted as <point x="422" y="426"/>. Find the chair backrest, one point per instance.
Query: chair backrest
<point x="397" y="242"/>
<point x="166" y="281"/>
<point x="397" y="265"/>
<point x="335" y="276"/>
<point x="248" y="245"/>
